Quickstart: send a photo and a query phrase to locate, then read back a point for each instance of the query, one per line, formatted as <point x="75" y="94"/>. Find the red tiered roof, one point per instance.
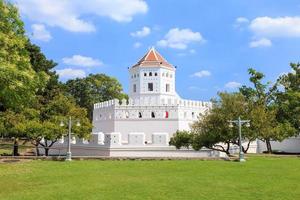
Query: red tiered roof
<point x="153" y="59"/>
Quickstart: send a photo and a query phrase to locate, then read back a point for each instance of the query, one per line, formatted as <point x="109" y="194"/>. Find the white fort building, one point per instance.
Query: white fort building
<point x="154" y="111"/>
<point x="143" y="125"/>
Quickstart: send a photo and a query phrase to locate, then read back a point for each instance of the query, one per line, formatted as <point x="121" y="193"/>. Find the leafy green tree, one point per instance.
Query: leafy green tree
<point x="181" y="139"/>
<point x="288" y="99"/>
<point x="57" y="110"/>
<point x="93" y="89"/>
<point x="13" y="126"/>
<point x="18" y="81"/>
<point x="212" y="129"/>
<point x="40" y="63"/>
<point x="262" y="99"/>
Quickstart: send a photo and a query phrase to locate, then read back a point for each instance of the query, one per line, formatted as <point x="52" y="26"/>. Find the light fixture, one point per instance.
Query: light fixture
<point x="248" y="124"/>
<point x="230" y="125"/>
<point x="61" y="124"/>
<point x="78" y="124"/>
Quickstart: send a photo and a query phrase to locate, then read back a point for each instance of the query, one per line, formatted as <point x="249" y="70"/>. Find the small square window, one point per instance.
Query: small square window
<point x="167" y="87"/>
<point x="150" y="87"/>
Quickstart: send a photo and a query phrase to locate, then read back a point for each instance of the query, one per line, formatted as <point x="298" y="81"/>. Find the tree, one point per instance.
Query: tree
<point x="93" y="89"/>
<point x="52" y="113"/>
<point x="40" y="63"/>
<point x="288" y="99"/>
<point x="212" y="129"/>
<point x="13" y="126"/>
<point x="264" y="111"/>
<point x="18" y="81"/>
<point x="181" y="139"/>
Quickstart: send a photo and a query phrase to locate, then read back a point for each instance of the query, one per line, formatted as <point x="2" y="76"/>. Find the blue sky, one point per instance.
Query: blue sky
<point x="212" y="43"/>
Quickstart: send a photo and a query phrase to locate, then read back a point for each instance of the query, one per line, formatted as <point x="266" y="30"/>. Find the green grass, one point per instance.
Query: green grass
<point x="259" y="178"/>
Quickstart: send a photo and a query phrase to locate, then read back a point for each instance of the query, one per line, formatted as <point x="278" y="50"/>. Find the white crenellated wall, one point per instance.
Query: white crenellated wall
<point x="147" y="116"/>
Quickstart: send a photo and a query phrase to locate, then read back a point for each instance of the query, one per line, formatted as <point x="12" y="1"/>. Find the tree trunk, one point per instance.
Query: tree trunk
<point x="269" y="147"/>
<point x="37" y="150"/>
<point x="46" y="151"/>
<point x="16" y="148"/>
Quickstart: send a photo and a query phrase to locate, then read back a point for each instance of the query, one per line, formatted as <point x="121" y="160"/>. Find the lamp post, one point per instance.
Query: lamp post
<point x="69" y="153"/>
<point x="240" y="122"/>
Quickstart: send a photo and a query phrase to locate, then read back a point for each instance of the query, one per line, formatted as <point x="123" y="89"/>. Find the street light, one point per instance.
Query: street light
<point x="69" y="154"/>
<point x="240" y="122"/>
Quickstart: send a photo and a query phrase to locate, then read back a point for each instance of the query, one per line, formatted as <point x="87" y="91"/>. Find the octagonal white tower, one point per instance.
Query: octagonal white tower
<point x="152" y="78"/>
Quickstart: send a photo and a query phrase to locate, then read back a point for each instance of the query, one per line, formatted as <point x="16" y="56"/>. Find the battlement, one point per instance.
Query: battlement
<point x="153" y="102"/>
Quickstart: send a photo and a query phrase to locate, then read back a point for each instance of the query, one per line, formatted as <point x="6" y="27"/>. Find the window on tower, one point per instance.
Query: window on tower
<point x="150" y="74"/>
<point x="152" y="114"/>
<point x="167" y="87"/>
<point x="134" y="87"/>
<point x="166" y="114"/>
<point x="150" y="87"/>
<point x="145" y="74"/>
<point x="155" y="74"/>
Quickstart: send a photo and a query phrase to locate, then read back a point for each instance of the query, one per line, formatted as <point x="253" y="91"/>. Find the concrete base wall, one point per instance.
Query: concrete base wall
<point x="291" y="145"/>
<point x="83" y="150"/>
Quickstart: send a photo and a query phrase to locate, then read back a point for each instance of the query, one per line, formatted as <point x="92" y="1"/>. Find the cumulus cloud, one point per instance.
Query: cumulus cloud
<point x="68" y="14"/>
<point x="201" y="74"/>
<point x="82" y="61"/>
<point x="180" y="38"/>
<point x="263" y="42"/>
<point x="233" y="85"/>
<point x="141" y="33"/>
<point x="39" y="32"/>
<point x="276" y="27"/>
<point x="137" y="45"/>
<point x="69" y="73"/>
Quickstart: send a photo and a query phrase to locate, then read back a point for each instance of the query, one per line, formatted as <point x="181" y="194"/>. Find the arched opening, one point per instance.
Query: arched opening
<point x="145" y="74"/>
<point x="140" y="115"/>
<point x="166" y="114"/>
<point x="150" y="74"/>
<point x="155" y="74"/>
<point x="152" y="115"/>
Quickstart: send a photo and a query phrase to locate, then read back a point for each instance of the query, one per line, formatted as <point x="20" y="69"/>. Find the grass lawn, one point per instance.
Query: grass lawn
<point x="258" y="178"/>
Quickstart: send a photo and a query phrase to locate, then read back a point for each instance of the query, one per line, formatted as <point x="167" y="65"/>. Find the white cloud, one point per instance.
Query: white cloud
<point x="142" y="33"/>
<point x="137" y="45"/>
<point x="233" y="85"/>
<point x="241" y="20"/>
<point x="69" y="73"/>
<point x="68" y="14"/>
<point x="82" y="61"/>
<point x="201" y="74"/>
<point x="263" y="42"/>
<point x="180" y="38"/>
<point x="276" y="27"/>
<point x="39" y="32"/>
